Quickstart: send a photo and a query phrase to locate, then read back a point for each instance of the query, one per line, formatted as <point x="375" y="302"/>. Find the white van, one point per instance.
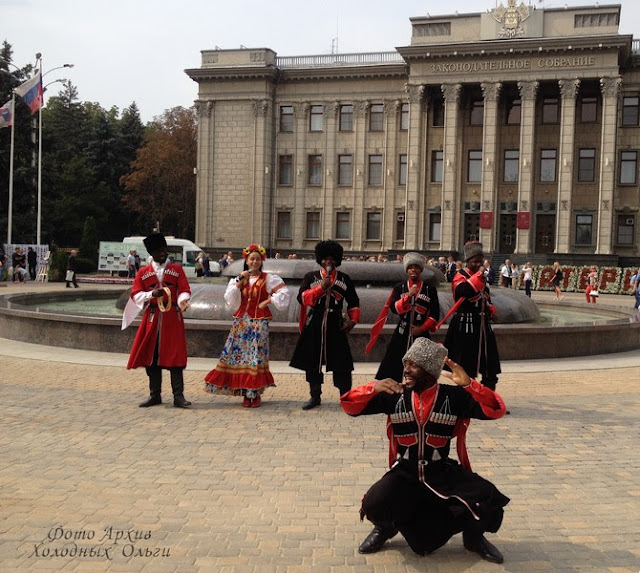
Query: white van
<point x="181" y="251"/>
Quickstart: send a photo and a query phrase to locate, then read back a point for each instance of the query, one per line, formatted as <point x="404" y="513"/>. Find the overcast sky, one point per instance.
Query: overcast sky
<point x="137" y="50"/>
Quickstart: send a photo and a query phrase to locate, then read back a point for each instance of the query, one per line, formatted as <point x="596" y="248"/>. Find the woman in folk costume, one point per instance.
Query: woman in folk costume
<point x="243" y="368"/>
<point x="323" y="338"/>
<point x="470" y="338"/>
<point x="160" y="288"/>
<point x="417" y="305"/>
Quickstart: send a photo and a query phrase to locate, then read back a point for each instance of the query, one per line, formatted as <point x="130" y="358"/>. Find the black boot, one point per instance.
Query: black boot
<point x="377" y="538"/>
<point x="177" y="385"/>
<point x="155" y="389"/>
<point x="479" y="544"/>
<point x="315" y="390"/>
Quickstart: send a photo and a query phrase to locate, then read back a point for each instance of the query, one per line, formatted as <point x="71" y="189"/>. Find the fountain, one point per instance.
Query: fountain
<point x="519" y="330"/>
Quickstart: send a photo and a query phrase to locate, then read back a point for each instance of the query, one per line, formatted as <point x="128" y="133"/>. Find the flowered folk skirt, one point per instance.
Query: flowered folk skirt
<point x="243" y="367"/>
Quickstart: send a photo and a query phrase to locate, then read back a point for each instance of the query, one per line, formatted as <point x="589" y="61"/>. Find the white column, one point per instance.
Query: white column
<point x="450" y="188"/>
<point x="204" y="177"/>
<point x="610" y="88"/>
<point x="490" y="162"/>
<point x="414" y="149"/>
<point x="568" y="91"/>
<point x="528" y="91"/>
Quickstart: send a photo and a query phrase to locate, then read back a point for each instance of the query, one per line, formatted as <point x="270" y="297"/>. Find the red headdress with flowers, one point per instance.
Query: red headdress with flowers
<point x="253" y="247"/>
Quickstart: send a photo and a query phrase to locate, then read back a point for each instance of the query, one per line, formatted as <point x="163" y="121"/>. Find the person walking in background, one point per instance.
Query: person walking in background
<point x="243" y="369"/>
<point x="489" y="272"/>
<point x="72" y="267"/>
<point x="505" y="274"/>
<point x="162" y="290"/>
<point x="32" y="263"/>
<point x="131" y="265"/>
<point x="592" y="286"/>
<point x="323" y="338"/>
<point x="558" y="275"/>
<point x="527" y="277"/>
<point x="515" y="275"/>
<point x="427" y="496"/>
<point x="635" y="282"/>
<point x="470" y="338"/>
<point x="416" y="303"/>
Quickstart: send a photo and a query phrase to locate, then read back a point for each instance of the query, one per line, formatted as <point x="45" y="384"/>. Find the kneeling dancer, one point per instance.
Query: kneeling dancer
<point x="427" y="496"/>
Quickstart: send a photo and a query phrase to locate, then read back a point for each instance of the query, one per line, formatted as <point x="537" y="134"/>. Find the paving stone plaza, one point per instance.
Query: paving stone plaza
<point x="90" y="482"/>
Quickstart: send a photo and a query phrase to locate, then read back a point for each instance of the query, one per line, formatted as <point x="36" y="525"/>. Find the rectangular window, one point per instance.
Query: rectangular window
<point x="548" y="159"/>
<point x="584" y="229"/>
<point x="587" y="165"/>
<point x="514" y="108"/>
<point x="345" y="169"/>
<point x="437" y="158"/>
<point x="550" y="110"/>
<point x="404" y="117"/>
<point x="286" y="118"/>
<point x="316" y="117"/>
<point x="511" y="165"/>
<point x="628" y="167"/>
<point x="474" y="165"/>
<point x="312" y="229"/>
<point x="285" y="170"/>
<point x="346" y="118"/>
<point x="376" y="117"/>
<point x="477" y="112"/>
<point x="343" y="225"/>
<point x="630" y="106"/>
<point x="434" y="227"/>
<point x="315" y="170"/>
<point x="626" y="230"/>
<point x="402" y="169"/>
<point x="375" y="169"/>
<point x="399" y="236"/>
<point x="588" y="109"/>
<point x="373" y="226"/>
<point x="438" y="113"/>
<point x="283" y="229"/>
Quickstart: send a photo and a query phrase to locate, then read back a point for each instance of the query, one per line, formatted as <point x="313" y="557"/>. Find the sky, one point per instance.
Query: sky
<point x="137" y="50"/>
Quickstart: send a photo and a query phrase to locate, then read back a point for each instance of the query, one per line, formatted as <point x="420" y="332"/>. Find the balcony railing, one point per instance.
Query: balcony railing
<point x="339" y="60"/>
<point x="635" y="46"/>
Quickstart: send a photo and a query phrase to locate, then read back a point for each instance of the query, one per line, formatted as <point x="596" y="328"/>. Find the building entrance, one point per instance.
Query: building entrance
<point x="471" y="227"/>
<point x="545" y="234"/>
<point x="507" y="233"/>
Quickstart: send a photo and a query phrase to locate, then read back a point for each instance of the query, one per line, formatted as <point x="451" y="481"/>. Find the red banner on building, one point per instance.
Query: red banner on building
<point x="524" y="219"/>
<point x="486" y="219"/>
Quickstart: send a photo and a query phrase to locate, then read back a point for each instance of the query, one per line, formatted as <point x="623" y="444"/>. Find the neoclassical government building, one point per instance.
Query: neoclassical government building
<point x="516" y="126"/>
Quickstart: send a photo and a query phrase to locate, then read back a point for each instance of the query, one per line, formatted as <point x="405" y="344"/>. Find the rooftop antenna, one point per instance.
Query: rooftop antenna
<point x="334" y="41"/>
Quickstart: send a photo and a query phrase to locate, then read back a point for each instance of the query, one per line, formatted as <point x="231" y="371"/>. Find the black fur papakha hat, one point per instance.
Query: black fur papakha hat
<point x="154" y="242"/>
<point x="428" y="355"/>
<point x="471" y="249"/>
<point x="329" y="249"/>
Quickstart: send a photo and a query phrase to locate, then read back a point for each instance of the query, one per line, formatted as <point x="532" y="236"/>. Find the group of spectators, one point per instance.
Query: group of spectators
<point x="20" y="266"/>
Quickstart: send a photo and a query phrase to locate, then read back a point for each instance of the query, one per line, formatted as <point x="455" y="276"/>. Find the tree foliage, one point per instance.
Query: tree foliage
<point x="161" y="186"/>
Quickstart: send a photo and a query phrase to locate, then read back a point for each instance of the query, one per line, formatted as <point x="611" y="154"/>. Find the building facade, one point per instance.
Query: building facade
<point x="519" y="127"/>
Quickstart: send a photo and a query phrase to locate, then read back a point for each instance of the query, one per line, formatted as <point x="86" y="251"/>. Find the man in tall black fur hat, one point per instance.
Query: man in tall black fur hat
<point x="470" y="339"/>
<point x="427" y="496"/>
<point x="323" y="339"/>
<point x="162" y="290"/>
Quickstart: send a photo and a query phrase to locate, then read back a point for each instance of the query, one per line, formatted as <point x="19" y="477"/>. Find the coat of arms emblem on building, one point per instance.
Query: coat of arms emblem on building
<point x="511" y="18"/>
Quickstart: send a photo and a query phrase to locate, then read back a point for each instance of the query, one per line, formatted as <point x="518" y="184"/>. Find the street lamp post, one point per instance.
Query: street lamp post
<point x="39" y="213"/>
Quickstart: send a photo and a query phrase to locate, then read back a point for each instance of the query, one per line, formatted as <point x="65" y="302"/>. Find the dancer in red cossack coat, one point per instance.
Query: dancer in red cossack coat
<point x="162" y="290"/>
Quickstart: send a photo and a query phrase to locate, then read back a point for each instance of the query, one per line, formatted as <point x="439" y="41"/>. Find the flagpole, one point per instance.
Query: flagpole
<point x="39" y="214"/>
<point x="10" y="206"/>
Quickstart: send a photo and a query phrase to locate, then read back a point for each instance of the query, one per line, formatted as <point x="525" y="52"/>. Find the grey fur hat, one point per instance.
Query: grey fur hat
<point x="413" y="259"/>
<point x="471" y="249"/>
<point x="428" y="355"/>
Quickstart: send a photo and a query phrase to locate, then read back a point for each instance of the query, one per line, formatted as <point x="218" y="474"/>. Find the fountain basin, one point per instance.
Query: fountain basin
<point x="615" y="330"/>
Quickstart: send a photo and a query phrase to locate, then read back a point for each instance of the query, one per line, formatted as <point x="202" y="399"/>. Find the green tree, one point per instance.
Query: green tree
<point x="161" y="185"/>
<point x="89" y="244"/>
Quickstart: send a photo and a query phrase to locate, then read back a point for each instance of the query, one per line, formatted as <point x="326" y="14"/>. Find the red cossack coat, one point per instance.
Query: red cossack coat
<point x="164" y="328"/>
